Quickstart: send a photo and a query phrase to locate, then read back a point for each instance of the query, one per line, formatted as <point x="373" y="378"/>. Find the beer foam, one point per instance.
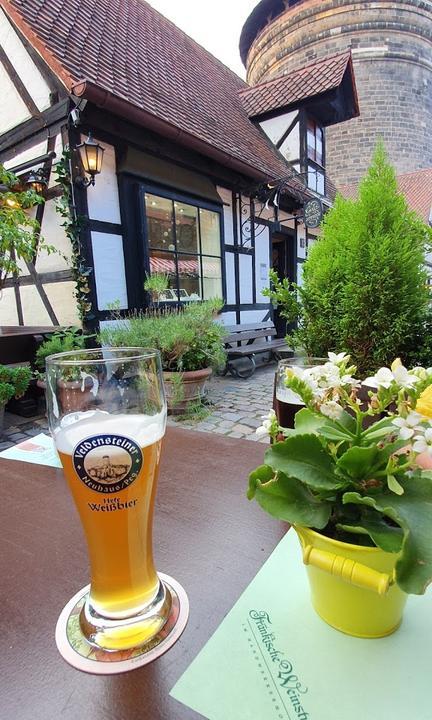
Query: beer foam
<point x="76" y="427"/>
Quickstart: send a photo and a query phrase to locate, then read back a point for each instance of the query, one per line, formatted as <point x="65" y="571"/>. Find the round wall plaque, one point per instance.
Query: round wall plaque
<point x="313" y="213"/>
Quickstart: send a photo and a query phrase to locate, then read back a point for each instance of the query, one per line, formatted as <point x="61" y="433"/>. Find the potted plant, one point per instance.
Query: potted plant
<point x="14" y="382"/>
<point x="190" y="343"/>
<point x="76" y="386"/>
<point x="347" y="477"/>
<point x="156" y="285"/>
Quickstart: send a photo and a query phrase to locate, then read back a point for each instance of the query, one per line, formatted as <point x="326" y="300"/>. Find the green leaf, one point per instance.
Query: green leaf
<point x="358" y="461"/>
<point x="388" y="450"/>
<point x="394" y="486"/>
<point x="308" y="422"/>
<point x="331" y="432"/>
<point x="286" y="498"/>
<point x="261" y="474"/>
<point x="304" y="458"/>
<point x="348" y="422"/>
<point x="383" y="535"/>
<point x="412" y="511"/>
<point x="379" y="429"/>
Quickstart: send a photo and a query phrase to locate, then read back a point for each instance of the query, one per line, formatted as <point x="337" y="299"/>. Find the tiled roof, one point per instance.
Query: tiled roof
<point x="417" y="188"/>
<point x="130" y="51"/>
<point x="299" y="85"/>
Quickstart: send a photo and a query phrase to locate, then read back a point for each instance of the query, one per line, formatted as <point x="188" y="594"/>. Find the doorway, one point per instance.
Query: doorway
<point x="283" y="262"/>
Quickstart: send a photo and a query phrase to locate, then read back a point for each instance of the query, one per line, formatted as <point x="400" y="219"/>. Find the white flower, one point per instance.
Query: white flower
<point x="331" y="410"/>
<point x="348" y="380"/>
<point x="423" y="443"/>
<point x="408" y="426"/>
<point x="337" y="358"/>
<point x="269" y="425"/>
<point x="404" y="378"/>
<point x="304" y="375"/>
<point x="385" y="377"/>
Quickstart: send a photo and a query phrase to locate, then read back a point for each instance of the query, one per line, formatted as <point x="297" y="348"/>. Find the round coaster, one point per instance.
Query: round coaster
<point x="75" y="649"/>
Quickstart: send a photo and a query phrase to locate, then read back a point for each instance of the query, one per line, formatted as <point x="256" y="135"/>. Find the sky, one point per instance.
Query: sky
<point x="216" y="24"/>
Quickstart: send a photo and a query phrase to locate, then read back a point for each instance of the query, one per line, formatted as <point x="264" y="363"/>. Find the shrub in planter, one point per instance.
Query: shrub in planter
<point x="13" y="383"/>
<point x="74" y="388"/>
<point x="190" y="343"/>
<point x="364" y="281"/>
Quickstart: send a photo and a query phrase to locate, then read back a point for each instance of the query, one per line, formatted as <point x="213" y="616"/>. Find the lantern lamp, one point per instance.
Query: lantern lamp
<point x="91" y="156"/>
<point x="37" y="181"/>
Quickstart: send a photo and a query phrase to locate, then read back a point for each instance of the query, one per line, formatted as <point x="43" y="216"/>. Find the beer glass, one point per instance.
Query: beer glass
<point x="288" y="403"/>
<point x="107" y="415"/>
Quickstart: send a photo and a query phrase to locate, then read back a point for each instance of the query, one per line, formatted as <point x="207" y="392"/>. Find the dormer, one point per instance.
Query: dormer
<point x="293" y="111"/>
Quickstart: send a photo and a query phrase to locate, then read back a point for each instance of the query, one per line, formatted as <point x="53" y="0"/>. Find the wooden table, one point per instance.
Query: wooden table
<point x="207" y="535"/>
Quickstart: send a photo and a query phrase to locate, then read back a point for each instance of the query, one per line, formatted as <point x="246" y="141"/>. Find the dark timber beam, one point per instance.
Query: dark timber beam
<point x="19" y="85"/>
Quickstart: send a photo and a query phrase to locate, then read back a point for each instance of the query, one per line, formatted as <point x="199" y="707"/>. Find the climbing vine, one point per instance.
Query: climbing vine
<point x="73" y="224"/>
<point x="19" y="234"/>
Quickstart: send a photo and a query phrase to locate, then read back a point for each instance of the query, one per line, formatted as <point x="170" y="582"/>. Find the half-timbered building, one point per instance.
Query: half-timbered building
<point x="203" y="177"/>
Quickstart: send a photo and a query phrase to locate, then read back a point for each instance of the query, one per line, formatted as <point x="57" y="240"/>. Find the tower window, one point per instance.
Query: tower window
<point x="315" y="142"/>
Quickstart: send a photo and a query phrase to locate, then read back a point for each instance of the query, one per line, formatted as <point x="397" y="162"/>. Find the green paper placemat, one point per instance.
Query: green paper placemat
<point x="273" y="658"/>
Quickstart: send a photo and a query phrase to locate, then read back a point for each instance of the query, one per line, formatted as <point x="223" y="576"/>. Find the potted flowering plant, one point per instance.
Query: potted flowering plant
<point x="348" y="478"/>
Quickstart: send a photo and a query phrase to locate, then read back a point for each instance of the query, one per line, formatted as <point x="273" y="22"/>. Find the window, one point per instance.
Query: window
<point x="315" y="142"/>
<point x="185" y="244"/>
<point x="316" y="179"/>
<point x="315" y="157"/>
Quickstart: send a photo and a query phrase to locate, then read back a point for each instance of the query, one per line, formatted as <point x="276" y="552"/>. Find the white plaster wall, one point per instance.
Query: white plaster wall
<point x="58" y="149"/>
<point x="275" y="128"/>
<point x="230" y="278"/>
<point x="290" y="148"/>
<point x="301" y="241"/>
<point x="109" y="269"/>
<point x="228" y="318"/>
<point x="103" y="198"/>
<point x="29" y="154"/>
<point x="300" y="274"/>
<point x="62" y="298"/>
<point x="251" y="316"/>
<point x="53" y="234"/>
<point x="245" y="268"/>
<point x="8" y="311"/>
<point x="13" y="110"/>
<point x="60" y="295"/>
<point x="226" y="197"/>
<point x="23" y="64"/>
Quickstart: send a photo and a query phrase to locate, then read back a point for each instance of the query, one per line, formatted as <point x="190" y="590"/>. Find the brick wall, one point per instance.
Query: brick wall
<point x="392" y="50"/>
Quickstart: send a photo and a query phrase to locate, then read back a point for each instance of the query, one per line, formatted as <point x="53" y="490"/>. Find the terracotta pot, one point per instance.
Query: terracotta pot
<point x="73" y="396"/>
<point x="192" y="388"/>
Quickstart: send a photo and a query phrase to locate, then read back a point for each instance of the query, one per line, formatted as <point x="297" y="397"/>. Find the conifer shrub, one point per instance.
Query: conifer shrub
<point x="364" y="285"/>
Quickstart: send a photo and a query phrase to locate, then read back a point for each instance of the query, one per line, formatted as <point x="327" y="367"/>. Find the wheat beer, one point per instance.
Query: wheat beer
<point x="108" y="429"/>
<point x="111" y="464"/>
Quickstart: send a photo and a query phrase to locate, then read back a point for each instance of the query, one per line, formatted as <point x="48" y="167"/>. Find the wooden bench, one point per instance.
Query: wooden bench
<point x="249" y="340"/>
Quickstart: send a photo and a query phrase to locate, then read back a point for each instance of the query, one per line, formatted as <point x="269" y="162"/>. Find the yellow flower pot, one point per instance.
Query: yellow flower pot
<point x="352" y="586"/>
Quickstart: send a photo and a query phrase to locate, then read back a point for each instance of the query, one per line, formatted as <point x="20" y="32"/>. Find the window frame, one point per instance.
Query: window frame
<point x="308" y="163"/>
<point x="197" y="202"/>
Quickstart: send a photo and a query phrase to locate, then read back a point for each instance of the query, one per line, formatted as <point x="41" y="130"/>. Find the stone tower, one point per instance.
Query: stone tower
<point x="391" y="44"/>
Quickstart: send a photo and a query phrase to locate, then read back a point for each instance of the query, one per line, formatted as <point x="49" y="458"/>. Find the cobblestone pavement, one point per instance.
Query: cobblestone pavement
<point x="235" y="409"/>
